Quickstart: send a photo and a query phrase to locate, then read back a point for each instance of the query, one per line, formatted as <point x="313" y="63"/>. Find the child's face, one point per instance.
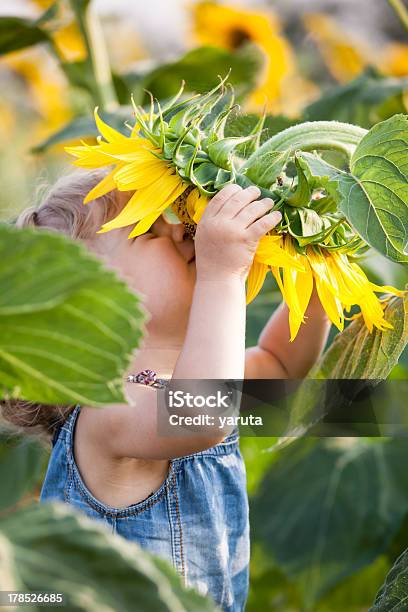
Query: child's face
<point x="159" y="265"/>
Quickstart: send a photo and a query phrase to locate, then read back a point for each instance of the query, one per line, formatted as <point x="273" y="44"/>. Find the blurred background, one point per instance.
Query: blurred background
<point x="309" y="45"/>
<point x="329" y="516"/>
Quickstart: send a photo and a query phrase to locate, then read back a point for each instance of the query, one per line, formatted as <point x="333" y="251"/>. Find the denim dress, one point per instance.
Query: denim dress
<point x="197" y="519"/>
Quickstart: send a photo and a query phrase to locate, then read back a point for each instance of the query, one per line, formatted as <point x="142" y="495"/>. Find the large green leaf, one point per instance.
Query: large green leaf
<point x="201" y="68"/>
<point x="356" y="354"/>
<point x="55" y="549"/>
<point x="393" y="595"/>
<point x="21" y="467"/>
<point x="328" y="507"/>
<point x="18" y="33"/>
<point x="68" y="326"/>
<point x="368" y="99"/>
<point x="374" y="196"/>
<point x="270" y="589"/>
<point x="377" y="206"/>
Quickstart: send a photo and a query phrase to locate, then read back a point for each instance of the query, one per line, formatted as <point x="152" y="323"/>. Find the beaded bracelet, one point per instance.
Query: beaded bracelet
<point x="147" y="377"/>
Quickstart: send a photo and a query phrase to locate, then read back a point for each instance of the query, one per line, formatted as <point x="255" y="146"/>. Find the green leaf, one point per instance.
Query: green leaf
<point x="327" y="176"/>
<point x="201" y="68"/>
<point x="307" y="225"/>
<point x="368" y="99"/>
<point x="80" y="74"/>
<point x="355" y="354"/>
<point x="18" y="33"/>
<point x="374" y="198"/>
<point x="221" y="151"/>
<point x="328" y="507"/>
<point x="205" y="173"/>
<point x="68" y="326"/>
<point x="303" y="194"/>
<point x="56" y="549"/>
<point x="22" y="463"/>
<point x="393" y="595"/>
<point x="267" y="169"/>
<point x="379" y="210"/>
<point x="80" y="5"/>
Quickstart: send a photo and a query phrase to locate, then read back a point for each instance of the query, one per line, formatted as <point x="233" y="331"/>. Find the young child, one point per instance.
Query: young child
<point x="180" y="497"/>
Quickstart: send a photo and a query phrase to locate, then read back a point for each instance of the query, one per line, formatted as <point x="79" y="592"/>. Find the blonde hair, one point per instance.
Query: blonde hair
<point x="61" y="210"/>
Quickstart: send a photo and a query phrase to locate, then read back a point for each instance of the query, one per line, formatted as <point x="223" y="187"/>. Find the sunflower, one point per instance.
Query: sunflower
<point x="178" y="157"/>
<point x="394" y="60"/>
<point x="344" y="57"/>
<point x="340" y="283"/>
<point x="138" y="167"/>
<point x="230" y="27"/>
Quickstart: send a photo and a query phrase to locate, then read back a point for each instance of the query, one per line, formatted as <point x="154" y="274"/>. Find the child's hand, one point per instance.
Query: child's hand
<point x="229" y="231"/>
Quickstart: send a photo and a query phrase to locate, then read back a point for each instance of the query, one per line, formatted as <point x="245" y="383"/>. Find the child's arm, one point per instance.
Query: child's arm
<point x="225" y="243"/>
<point x="276" y="357"/>
<point x="214" y="347"/>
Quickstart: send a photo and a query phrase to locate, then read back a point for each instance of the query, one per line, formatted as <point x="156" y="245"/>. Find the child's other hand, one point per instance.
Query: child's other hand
<point x="229" y="231"/>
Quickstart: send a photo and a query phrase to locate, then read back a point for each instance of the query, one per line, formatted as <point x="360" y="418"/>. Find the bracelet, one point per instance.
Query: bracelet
<point x="147" y="377"/>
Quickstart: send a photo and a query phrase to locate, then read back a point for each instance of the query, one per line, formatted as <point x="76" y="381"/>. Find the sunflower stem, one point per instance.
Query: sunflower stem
<point x="98" y="57"/>
<point x="311" y="136"/>
<point x="401" y="11"/>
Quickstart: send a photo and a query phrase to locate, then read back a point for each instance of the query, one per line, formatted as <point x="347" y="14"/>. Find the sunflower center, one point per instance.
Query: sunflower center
<point x="238" y="37"/>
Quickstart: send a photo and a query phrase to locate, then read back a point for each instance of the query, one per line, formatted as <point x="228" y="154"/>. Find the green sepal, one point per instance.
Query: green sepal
<point x="243" y="181"/>
<point x="267" y="169"/>
<point x="220" y="152"/>
<point x="205" y="174"/>
<point x="183" y="155"/>
<point x="302" y="196"/>
<point x="224" y="177"/>
<point x="178" y="122"/>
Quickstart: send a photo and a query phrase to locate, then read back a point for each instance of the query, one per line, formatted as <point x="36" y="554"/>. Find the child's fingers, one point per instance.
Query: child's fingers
<point x="253" y="211"/>
<point x="240" y="200"/>
<point x="263" y="225"/>
<point x="218" y="201"/>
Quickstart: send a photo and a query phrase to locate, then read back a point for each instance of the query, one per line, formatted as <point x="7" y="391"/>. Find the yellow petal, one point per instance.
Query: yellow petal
<point x="201" y="206"/>
<point x="107" y="131"/>
<point x="147" y="201"/>
<point x="330" y="303"/>
<point x="90" y="157"/>
<point x="192" y="200"/>
<point x="145" y="224"/>
<point x="102" y="188"/>
<point x="272" y="251"/>
<point x="255" y="280"/>
<point x="304" y="288"/>
<point x="141" y="174"/>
